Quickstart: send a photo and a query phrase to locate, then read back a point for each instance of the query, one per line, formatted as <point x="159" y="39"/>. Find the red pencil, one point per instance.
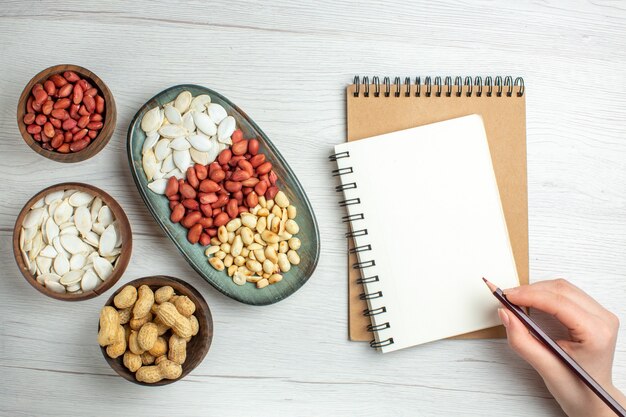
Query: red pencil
<point x="536" y="331"/>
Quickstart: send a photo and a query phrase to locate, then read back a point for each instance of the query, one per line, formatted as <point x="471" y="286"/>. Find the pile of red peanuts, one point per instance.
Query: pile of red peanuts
<point x="213" y="195"/>
<point x="65" y="113"/>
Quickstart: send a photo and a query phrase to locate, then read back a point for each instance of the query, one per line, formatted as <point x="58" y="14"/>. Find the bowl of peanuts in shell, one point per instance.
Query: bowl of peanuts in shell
<point x="66" y="113"/>
<point x="155" y="330"/>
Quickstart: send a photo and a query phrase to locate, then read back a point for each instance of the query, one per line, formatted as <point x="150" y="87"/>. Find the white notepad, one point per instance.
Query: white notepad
<point x="434" y="224"/>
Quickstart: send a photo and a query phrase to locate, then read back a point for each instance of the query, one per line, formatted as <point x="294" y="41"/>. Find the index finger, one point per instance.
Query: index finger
<point x="578" y="321"/>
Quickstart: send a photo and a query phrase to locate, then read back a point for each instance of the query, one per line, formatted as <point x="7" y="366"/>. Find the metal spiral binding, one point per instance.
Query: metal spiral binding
<point x="503" y="86"/>
<point x="351" y="218"/>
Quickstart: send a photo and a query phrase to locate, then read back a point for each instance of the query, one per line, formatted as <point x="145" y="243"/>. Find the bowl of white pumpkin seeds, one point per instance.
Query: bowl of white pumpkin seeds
<point x="72" y="241"/>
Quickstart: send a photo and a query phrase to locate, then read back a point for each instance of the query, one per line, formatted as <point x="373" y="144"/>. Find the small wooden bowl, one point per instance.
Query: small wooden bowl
<point x="122" y="262"/>
<point x="199" y="344"/>
<point x="96" y="145"/>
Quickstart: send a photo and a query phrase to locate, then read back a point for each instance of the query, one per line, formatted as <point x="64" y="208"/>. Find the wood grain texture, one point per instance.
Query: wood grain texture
<point x="109" y="116"/>
<point x="288" y="63"/>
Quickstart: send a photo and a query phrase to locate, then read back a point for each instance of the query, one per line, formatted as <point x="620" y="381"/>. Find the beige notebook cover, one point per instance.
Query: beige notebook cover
<point x="378" y="108"/>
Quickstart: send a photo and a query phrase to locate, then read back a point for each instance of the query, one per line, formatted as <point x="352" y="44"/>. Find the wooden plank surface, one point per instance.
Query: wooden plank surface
<point x="287" y="64"/>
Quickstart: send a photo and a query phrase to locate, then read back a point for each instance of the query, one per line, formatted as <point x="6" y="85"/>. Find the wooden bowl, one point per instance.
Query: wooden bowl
<point x="122" y="262"/>
<point x="96" y="145"/>
<point x="199" y="344"/>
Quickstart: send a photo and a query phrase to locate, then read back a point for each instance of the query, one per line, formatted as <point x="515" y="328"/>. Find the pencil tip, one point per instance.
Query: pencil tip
<point x="491" y="286"/>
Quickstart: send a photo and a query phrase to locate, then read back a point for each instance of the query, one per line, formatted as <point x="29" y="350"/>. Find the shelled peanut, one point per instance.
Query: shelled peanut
<point x="150" y="329"/>
<point x="260" y="245"/>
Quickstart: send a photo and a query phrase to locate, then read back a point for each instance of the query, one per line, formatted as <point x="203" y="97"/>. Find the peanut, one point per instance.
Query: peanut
<point x="195" y="325"/>
<point x="147" y="359"/>
<point x="125" y="315"/>
<point x="166" y="369"/>
<point x="132" y="361"/>
<point x="119" y="346"/>
<point x="145" y="299"/>
<point x="133" y="345"/>
<point x="177" y="349"/>
<point x="159" y="348"/>
<point x="163" y="294"/>
<point x="136" y="324"/>
<point x="170" y="316"/>
<point x="126" y="297"/>
<point x="162" y="328"/>
<point x="185" y="306"/>
<point x="147" y="336"/>
<point x="109" y="323"/>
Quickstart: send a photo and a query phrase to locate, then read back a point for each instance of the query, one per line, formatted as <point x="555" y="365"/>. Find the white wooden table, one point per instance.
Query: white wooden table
<point x="287" y="64"/>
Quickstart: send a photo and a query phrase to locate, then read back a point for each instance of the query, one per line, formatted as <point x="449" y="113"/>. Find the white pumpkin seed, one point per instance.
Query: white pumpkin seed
<point x="38" y="204"/>
<point x="226" y="129"/>
<point x="102" y="267"/>
<point x="33" y="218"/>
<point x="172" y="114"/>
<point x="80" y="198"/>
<point x="105" y="217"/>
<point x="158" y="186"/>
<point x="73" y="244"/>
<point x="89" y="282"/>
<point x="149" y="142"/>
<point x="174" y="173"/>
<point x="82" y="219"/>
<point x="151" y="120"/>
<point x="198" y="157"/>
<point x="97" y="228"/>
<point x="48" y="252"/>
<point x="118" y="234"/>
<point x="182" y="160"/>
<point x="36" y="247"/>
<point x="168" y="164"/>
<point x="188" y="122"/>
<point x="172" y="131"/>
<point x="55" y="287"/>
<point x="56" y="195"/>
<point x="95" y="207"/>
<point x="43" y="264"/>
<point x="180" y="144"/>
<point x="149" y="164"/>
<point x="72" y="230"/>
<point x="199" y="102"/>
<point x="56" y="243"/>
<point x="78" y="261"/>
<point x="216" y="112"/>
<point x="50" y="277"/>
<point x="201" y="142"/>
<point x="107" y="240"/>
<point x="183" y="101"/>
<point x="162" y="149"/>
<point x="73" y="288"/>
<point x="29" y="233"/>
<point x="204" y="123"/>
<point x="92" y="238"/>
<point x="63" y="212"/>
<point x="71" y="277"/>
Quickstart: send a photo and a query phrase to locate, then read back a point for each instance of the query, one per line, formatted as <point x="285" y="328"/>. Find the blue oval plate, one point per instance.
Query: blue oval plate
<point x="158" y="206"/>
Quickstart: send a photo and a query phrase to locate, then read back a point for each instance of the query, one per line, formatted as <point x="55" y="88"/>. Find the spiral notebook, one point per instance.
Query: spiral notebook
<point x="375" y="108"/>
<point x="427" y="226"/>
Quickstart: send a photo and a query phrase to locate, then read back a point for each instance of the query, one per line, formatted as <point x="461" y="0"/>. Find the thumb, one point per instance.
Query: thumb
<point x="526" y="345"/>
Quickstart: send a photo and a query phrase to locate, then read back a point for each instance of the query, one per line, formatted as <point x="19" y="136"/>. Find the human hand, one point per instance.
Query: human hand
<point x="593" y="334"/>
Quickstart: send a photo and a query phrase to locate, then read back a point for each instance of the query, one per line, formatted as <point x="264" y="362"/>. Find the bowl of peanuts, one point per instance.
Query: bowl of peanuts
<point x="66" y="113"/>
<point x="155" y="330"/>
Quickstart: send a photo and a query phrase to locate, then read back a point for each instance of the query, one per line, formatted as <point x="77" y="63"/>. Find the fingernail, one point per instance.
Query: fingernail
<point x="511" y="290"/>
<point x="503" y="317"/>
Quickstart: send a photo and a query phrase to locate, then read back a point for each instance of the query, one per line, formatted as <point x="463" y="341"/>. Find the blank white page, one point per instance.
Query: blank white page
<point x="435" y="224"/>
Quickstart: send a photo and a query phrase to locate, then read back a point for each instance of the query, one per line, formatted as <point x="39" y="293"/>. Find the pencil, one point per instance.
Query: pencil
<point x="536" y="331"/>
